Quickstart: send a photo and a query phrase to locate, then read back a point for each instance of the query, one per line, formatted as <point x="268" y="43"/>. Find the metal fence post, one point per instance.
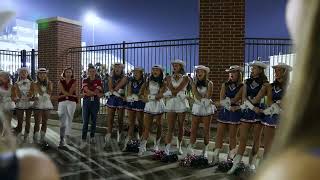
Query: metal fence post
<point x="23" y="58"/>
<point x="123" y="52"/>
<point x="33" y="64"/>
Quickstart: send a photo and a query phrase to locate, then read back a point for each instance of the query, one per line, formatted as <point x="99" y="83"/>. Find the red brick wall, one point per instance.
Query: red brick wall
<point x="56" y="35"/>
<point x="222" y="30"/>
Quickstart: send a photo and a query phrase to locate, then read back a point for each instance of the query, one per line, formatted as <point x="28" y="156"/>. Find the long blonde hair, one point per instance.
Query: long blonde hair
<point x="299" y="124"/>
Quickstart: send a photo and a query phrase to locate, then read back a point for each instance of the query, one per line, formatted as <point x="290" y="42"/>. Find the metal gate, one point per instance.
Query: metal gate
<point x="11" y="61"/>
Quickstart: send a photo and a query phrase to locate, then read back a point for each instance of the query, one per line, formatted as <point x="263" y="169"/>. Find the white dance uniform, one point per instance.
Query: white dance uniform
<point x="154" y="107"/>
<point x="6" y="102"/>
<point x="179" y="103"/>
<point x="43" y="102"/>
<point x="24" y="88"/>
<point x="202" y="107"/>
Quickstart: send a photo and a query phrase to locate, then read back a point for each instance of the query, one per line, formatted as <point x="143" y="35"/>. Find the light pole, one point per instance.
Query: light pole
<point x="92" y="19"/>
<point x="92" y="33"/>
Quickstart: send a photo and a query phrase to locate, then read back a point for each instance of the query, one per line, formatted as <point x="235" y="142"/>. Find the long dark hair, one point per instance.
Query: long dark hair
<point x="141" y="80"/>
<point x="182" y="71"/>
<point x="158" y="80"/>
<point x="239" y="81"/>
<point x="262" y="77"/>
<point x="201" y="83"/>
<point x="64" y="71"/>
<point x="44" y="82"/>
<point x="112" y="74"/>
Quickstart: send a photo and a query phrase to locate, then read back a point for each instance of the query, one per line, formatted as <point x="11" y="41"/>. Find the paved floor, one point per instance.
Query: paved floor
<point x="94" y="162"/>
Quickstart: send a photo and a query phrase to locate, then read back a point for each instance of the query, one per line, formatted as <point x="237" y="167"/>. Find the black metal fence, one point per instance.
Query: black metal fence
<point x="11" y="61"/>
<point x="148" y="53"/>
<point x="269" y="50"/>
<point x="143" y="54"/>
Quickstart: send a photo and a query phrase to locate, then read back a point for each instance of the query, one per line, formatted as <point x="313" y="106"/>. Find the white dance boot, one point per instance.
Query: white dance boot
<point x="142" y="148"/>
<point x="215" y="157"/>
<point x="236" y="163"/>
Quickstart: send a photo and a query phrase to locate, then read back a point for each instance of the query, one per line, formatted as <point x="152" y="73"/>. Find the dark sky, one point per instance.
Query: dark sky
<point x="135" y="20"/>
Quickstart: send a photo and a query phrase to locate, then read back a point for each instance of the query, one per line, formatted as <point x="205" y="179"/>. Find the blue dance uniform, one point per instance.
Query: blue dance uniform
<point x="115" y="101"/>
<point x="226" y="116"/>
<point x="254" y="85"/>
<point x="277" y="93"/>
<point x="135" y="89"/>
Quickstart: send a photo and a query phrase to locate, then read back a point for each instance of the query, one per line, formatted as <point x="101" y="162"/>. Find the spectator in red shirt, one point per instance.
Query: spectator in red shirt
<point x="92" y="91"/>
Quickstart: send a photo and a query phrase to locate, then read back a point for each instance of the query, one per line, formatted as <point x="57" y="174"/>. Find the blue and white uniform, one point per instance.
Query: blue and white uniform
<point x="135" y="89"/>
<point x="153" y="106"/>
<point x="277" y="94"/>
<point x="226" y="116"/>
<point x="179" y="103"/>
<point x="115" y="101"/>
<point x="254" y="85"/>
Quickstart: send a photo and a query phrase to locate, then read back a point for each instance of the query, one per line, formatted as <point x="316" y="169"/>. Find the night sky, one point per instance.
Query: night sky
<point x="139" y="20"/>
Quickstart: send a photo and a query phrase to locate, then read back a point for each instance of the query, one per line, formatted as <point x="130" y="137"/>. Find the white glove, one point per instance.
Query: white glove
<point x="249" y="104"/>
<point x="121" y="91"/>
<point x="268" y="111"/>
<point x="45" y="95"/>
<point x="214" y="108"/>
<point x="116" y="94"/>
<point x="151" y="97"/>
<point x="243" y="107"/>
<point x="197" y="101"/>
<point x="108" y="94"/>
<point x="273" y="109"/>
<point x="135" y="97"/>
<point x="130" y="99"/>
<point x="205" y="102"/>
<point x="276" y="108"/>
<point x="226" y="103"/>
<point x="167" y="94"/>
<point x="182" y="95"/>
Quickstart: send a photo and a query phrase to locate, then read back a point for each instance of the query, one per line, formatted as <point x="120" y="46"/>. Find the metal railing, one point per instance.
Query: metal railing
<point x="148" y="53"/>
<point x="270" y="51"/>
<point x="11" y="61"/>
<point x="143" y="54"/>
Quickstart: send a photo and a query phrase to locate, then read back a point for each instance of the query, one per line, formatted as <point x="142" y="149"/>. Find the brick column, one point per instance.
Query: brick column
<point x="56" y="35"/>
<point x="222" y="31"/>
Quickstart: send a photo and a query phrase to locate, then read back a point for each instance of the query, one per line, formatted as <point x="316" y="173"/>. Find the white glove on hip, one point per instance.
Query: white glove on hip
<point x="151" y="97"/>
<point x="167" y="94"/>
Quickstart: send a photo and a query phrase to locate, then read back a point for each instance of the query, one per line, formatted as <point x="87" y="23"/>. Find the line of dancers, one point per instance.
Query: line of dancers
<point x="254" y="104"/>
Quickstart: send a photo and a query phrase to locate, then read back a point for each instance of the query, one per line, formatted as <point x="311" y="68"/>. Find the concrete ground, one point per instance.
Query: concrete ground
<point x="94" y="162"/>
